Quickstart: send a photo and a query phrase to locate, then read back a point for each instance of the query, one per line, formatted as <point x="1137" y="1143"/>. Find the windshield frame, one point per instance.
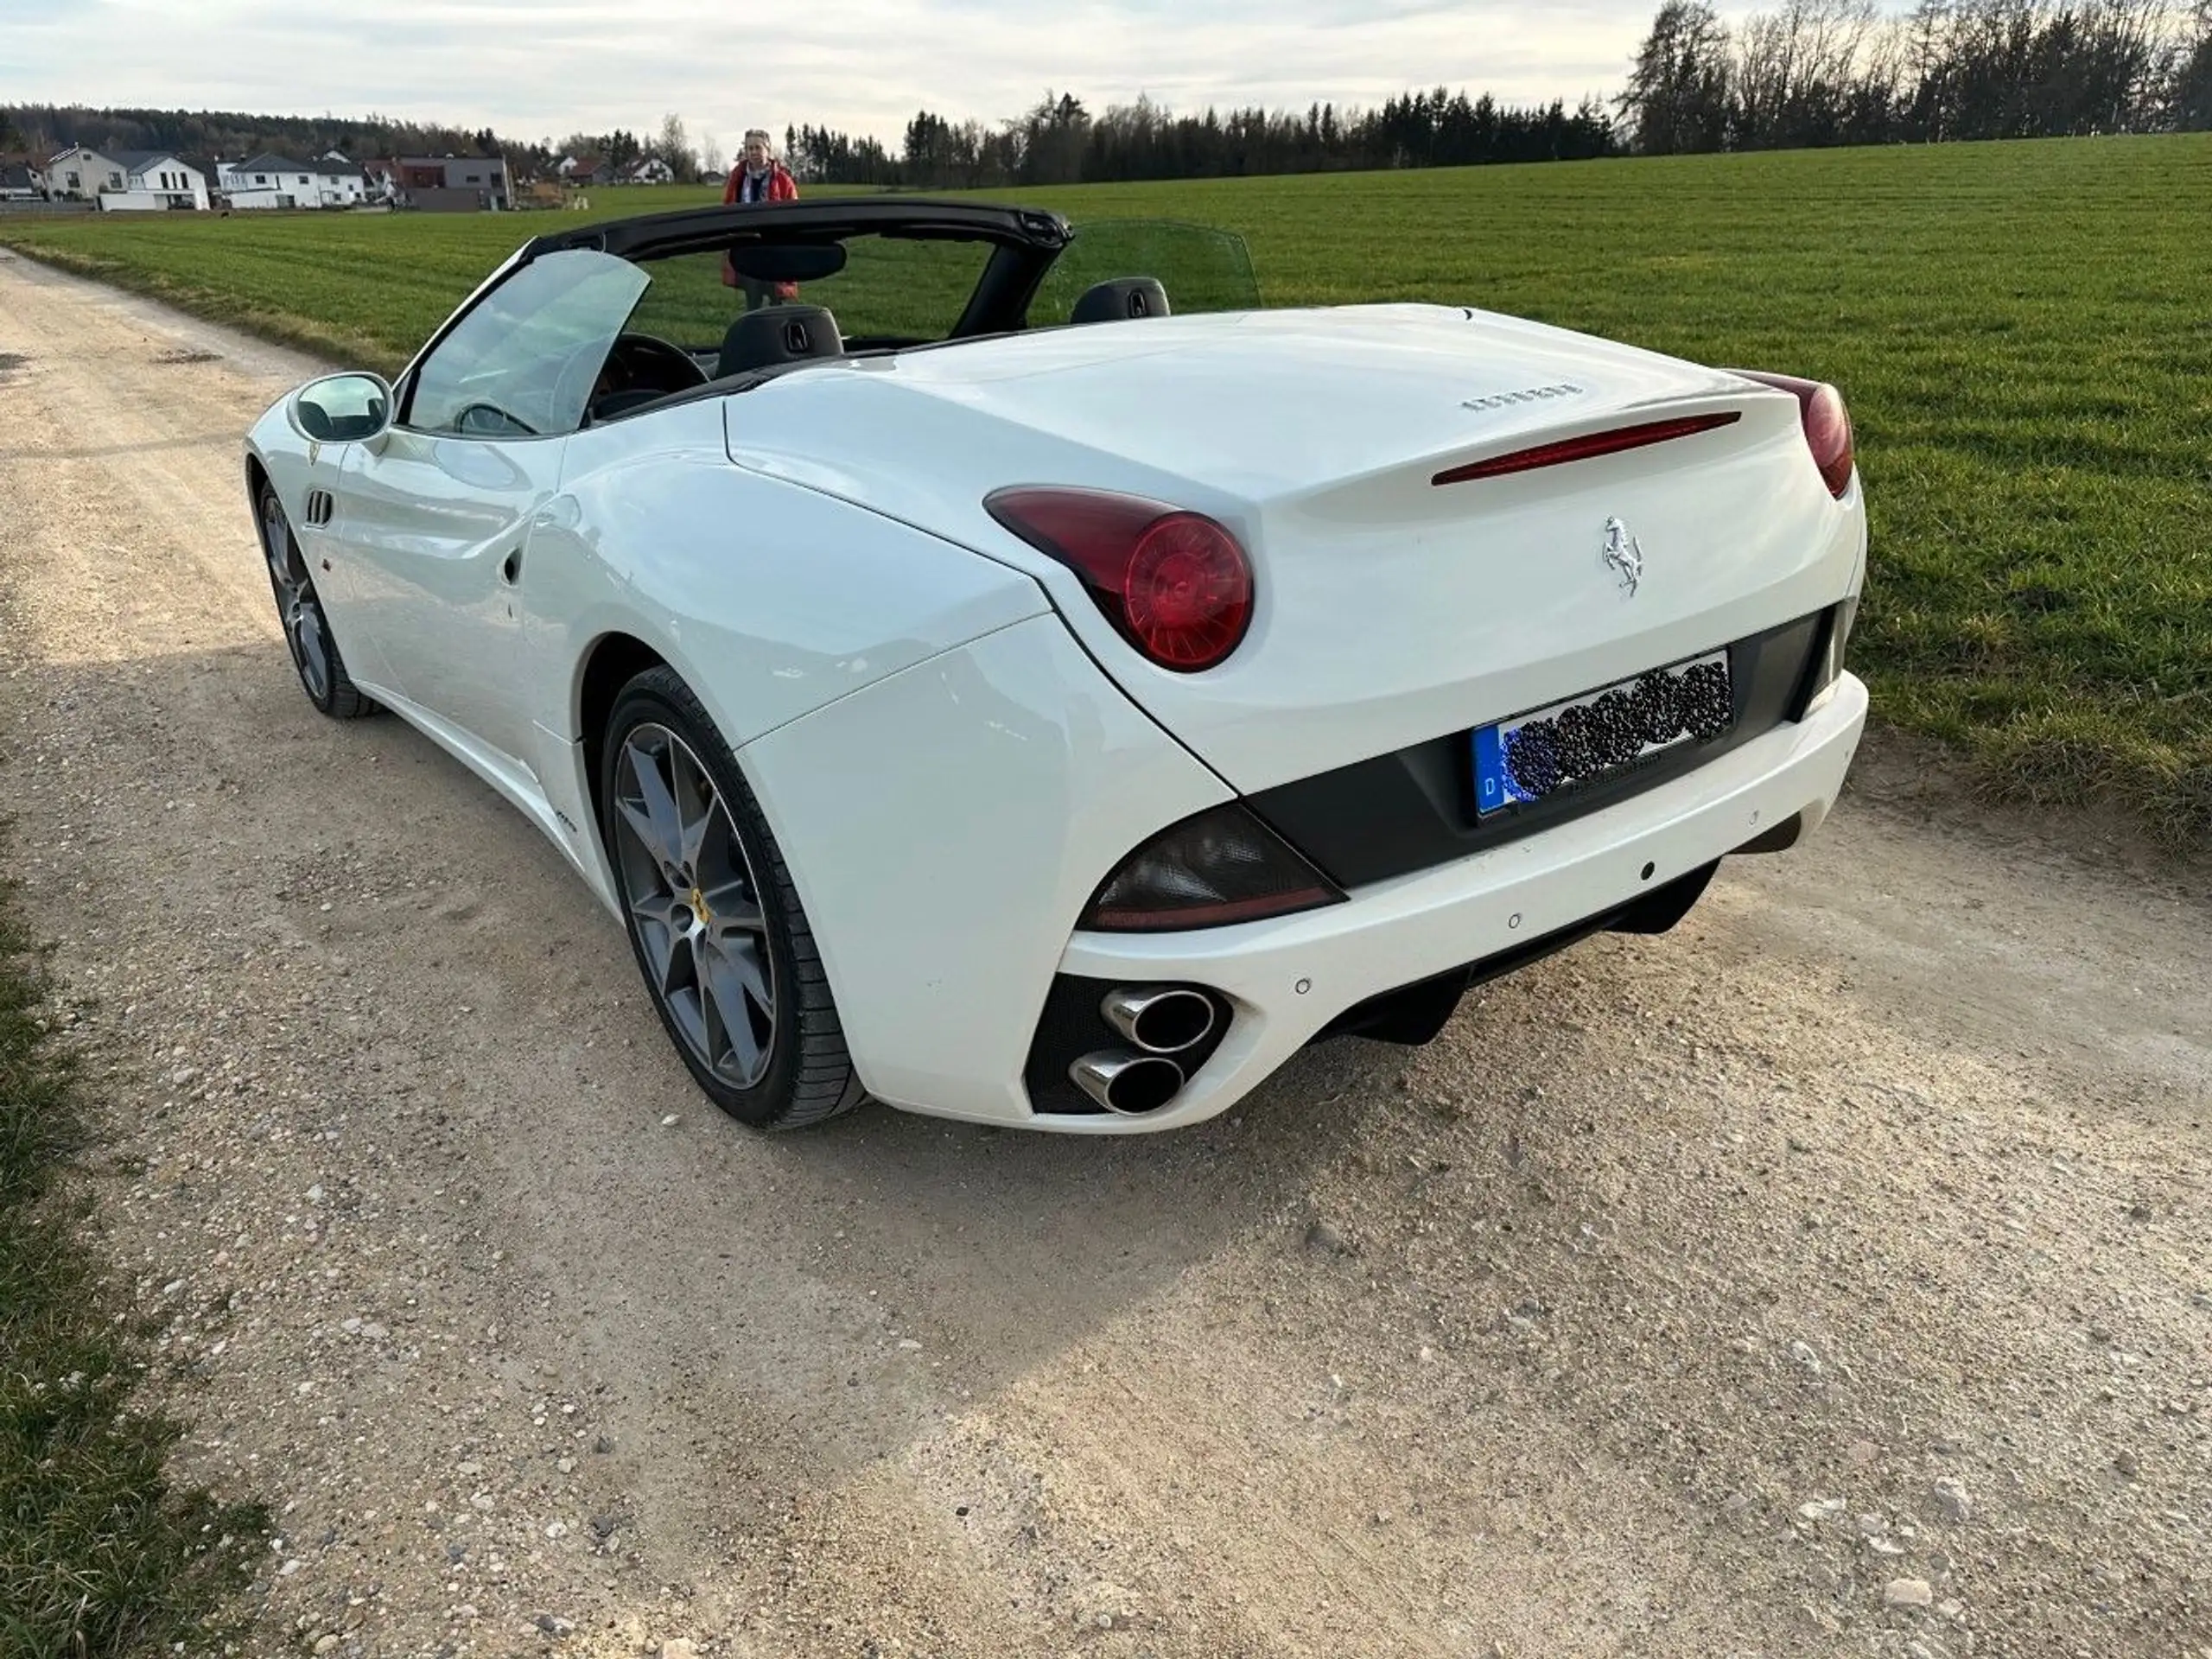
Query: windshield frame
<point x="1027" y="244"/>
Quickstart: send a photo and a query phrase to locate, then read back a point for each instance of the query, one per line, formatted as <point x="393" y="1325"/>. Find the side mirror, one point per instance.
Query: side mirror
<point x="342" y="409"/>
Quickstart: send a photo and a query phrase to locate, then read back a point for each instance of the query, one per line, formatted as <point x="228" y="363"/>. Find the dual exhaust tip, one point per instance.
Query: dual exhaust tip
<point x="1159" y="1023"/>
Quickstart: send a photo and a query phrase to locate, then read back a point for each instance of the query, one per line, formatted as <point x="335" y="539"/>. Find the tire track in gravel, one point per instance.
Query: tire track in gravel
<point x="1887" y="1168"/>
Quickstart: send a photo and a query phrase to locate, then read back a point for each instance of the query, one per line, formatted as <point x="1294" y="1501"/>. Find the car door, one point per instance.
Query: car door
<point x="305" y="519"/>
<point x="437" y="512"/>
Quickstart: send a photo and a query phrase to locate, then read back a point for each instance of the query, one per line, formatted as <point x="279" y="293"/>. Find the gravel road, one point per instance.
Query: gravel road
<point x="1832" y="1275"/>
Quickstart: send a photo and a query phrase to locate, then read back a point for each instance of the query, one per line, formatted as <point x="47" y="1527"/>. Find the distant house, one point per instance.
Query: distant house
<point x="270" y="180"/>
<point x="652" y="170"/>
<point x="21" y="179"/>
<point x="164" y="176"/>
<point x="126" y="181"/>
<point x="580" y="170"/>
<point x="449" y="184"/>
<point x="79" y="173"/>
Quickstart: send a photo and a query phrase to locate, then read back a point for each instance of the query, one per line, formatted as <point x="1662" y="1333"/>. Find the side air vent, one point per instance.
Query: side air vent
<point x="319" y="507"/>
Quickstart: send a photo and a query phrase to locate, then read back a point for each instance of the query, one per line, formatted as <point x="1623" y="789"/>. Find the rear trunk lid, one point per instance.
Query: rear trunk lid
<point x="1391" y="609"/>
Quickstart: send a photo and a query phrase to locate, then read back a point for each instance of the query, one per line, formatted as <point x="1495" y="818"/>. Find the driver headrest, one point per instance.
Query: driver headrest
<point x="779" y="333"/>
<point x="1123" y="297"/>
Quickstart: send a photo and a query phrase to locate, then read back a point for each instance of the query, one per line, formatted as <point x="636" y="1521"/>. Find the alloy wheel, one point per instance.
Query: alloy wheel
<point x="687" y="884"/>
<point x="296" y="604"/>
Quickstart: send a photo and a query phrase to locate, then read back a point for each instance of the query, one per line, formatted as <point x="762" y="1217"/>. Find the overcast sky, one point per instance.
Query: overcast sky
<point x="537" y="68"/>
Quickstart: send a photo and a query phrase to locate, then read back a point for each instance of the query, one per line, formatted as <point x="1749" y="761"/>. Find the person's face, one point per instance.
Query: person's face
<point x="756" y="154"/>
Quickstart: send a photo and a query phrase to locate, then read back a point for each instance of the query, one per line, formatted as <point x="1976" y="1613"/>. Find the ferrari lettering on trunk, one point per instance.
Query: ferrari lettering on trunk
<point x="1526" y="395"/>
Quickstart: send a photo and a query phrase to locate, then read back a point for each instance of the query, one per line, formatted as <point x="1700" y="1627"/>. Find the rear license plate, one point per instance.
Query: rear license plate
<point x="1602" y="732"/>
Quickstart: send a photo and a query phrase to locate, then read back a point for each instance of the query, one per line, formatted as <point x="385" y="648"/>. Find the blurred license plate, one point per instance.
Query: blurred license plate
<point x="1602" y="732"/>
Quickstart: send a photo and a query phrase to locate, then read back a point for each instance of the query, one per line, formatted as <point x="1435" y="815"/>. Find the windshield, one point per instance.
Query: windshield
<point x="520" y="362"/>
<point x="1202" y="268"/>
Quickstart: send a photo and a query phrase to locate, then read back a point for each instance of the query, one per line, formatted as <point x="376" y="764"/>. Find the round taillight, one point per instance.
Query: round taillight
<point x="1188" y="591"/>
<point x="1176" y="583"/>
<point x="1827" y="434"/>
<point x="1826" y="422"/>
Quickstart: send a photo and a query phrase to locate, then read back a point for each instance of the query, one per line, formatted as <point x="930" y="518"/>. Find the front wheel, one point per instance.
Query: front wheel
<point x="716" y="924"/>
<point x="306" y="629"/>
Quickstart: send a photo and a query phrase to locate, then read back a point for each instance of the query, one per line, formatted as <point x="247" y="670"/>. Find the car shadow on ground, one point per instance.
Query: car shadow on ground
<point x="478" y="1018"/>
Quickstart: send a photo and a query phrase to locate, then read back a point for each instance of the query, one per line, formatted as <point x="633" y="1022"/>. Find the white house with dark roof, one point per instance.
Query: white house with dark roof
<point x="273" y="181"/>
<point x="126" y="181"/>
<point x="163" y="178"/>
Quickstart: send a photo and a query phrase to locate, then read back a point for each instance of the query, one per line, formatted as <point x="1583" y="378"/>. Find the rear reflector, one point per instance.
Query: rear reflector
<point x="1222" y="867"/>
<point x="1585" y="447"/>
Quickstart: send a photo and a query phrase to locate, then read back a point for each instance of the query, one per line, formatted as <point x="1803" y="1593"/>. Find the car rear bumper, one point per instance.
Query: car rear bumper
<point x="1283" y="983"/>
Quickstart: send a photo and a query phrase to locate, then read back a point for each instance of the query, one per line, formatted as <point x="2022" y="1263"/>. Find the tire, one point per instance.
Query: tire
<point x="315" y="656"/>
<point x="713" y="918"/>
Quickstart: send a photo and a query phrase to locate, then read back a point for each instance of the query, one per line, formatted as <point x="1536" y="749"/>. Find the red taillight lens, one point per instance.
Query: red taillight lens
<point x="1827" y="425"/>
<point x="1177" y="584"/>
<point x="1222" y="867"/>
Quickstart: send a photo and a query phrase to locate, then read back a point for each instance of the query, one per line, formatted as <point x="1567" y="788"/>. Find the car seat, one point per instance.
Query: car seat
<point x="779" y="333"/>
<point x="1123" y="298"/>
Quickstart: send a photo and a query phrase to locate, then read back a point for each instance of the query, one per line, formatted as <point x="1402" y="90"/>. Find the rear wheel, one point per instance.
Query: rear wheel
<point x="717" y="927"/>
<point x="306" y="629"/>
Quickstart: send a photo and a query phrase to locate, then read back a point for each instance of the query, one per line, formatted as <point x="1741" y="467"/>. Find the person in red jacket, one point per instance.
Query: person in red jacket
<point x="758" y="176"/>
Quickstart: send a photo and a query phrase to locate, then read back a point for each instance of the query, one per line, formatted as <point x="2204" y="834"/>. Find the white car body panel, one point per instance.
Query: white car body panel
<point x="940" y="982"/>
<point x="955" y="747"/>
<point x="779" y="599"/>
<point x="1388" y="610"/>
<point x="1288" y="978"/>
<point x="997" y="782"/>
<point x="426" y="525"/>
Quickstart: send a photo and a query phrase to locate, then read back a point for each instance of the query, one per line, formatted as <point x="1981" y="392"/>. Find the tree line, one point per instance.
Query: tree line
<point x="1810" y="73"/>
<point x="1059" y="140"/>
<point x="1816" y="73"/>
<point x="232" y="135"/>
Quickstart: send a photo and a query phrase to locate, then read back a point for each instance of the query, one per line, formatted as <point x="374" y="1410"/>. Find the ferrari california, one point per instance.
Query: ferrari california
<point x="996" y="668"/>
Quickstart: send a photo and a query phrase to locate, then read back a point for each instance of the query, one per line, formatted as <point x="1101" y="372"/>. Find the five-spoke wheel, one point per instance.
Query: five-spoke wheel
<point x="306" y="629"/>
<point x="696" y="902"/>
<point x="717" y="924"/>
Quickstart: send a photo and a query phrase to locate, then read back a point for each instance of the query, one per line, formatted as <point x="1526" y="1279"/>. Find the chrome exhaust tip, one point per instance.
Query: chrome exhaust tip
<point x="1130" y="1085"/>
<point x="1164" y="1021"/>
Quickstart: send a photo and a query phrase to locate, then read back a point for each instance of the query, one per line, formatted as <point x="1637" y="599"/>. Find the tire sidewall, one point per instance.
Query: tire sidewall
<point x="266" y="499"/>
<point x="767" y="1101"/>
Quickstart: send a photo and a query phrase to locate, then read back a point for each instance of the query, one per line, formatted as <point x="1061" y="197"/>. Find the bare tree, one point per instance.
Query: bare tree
<point x="1677" y="95"/>
<point x="1795" y="69"/>
<point x="2190" y="98"/>
<point x="673" y="147"/>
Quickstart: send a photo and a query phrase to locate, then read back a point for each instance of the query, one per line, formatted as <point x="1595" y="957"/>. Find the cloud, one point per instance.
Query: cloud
<point x="546" y="67"/>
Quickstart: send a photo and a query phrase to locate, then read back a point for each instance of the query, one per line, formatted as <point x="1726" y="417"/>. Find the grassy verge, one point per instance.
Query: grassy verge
<point x="100" y="1553"/>
<point x="2021" y="330"/>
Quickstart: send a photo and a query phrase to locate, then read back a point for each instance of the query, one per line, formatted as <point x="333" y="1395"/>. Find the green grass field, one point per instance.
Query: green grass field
<point x="101" y="1552"/>
<point x="2023" y="332"/>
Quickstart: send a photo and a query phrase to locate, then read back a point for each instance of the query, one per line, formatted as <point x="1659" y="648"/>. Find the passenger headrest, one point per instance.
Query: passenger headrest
<point x="1123" y="297"/>
<point x="779" y="333"/>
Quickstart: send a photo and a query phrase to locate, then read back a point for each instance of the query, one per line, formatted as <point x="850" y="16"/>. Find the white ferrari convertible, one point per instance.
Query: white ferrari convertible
<point x="997" y="668"/>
